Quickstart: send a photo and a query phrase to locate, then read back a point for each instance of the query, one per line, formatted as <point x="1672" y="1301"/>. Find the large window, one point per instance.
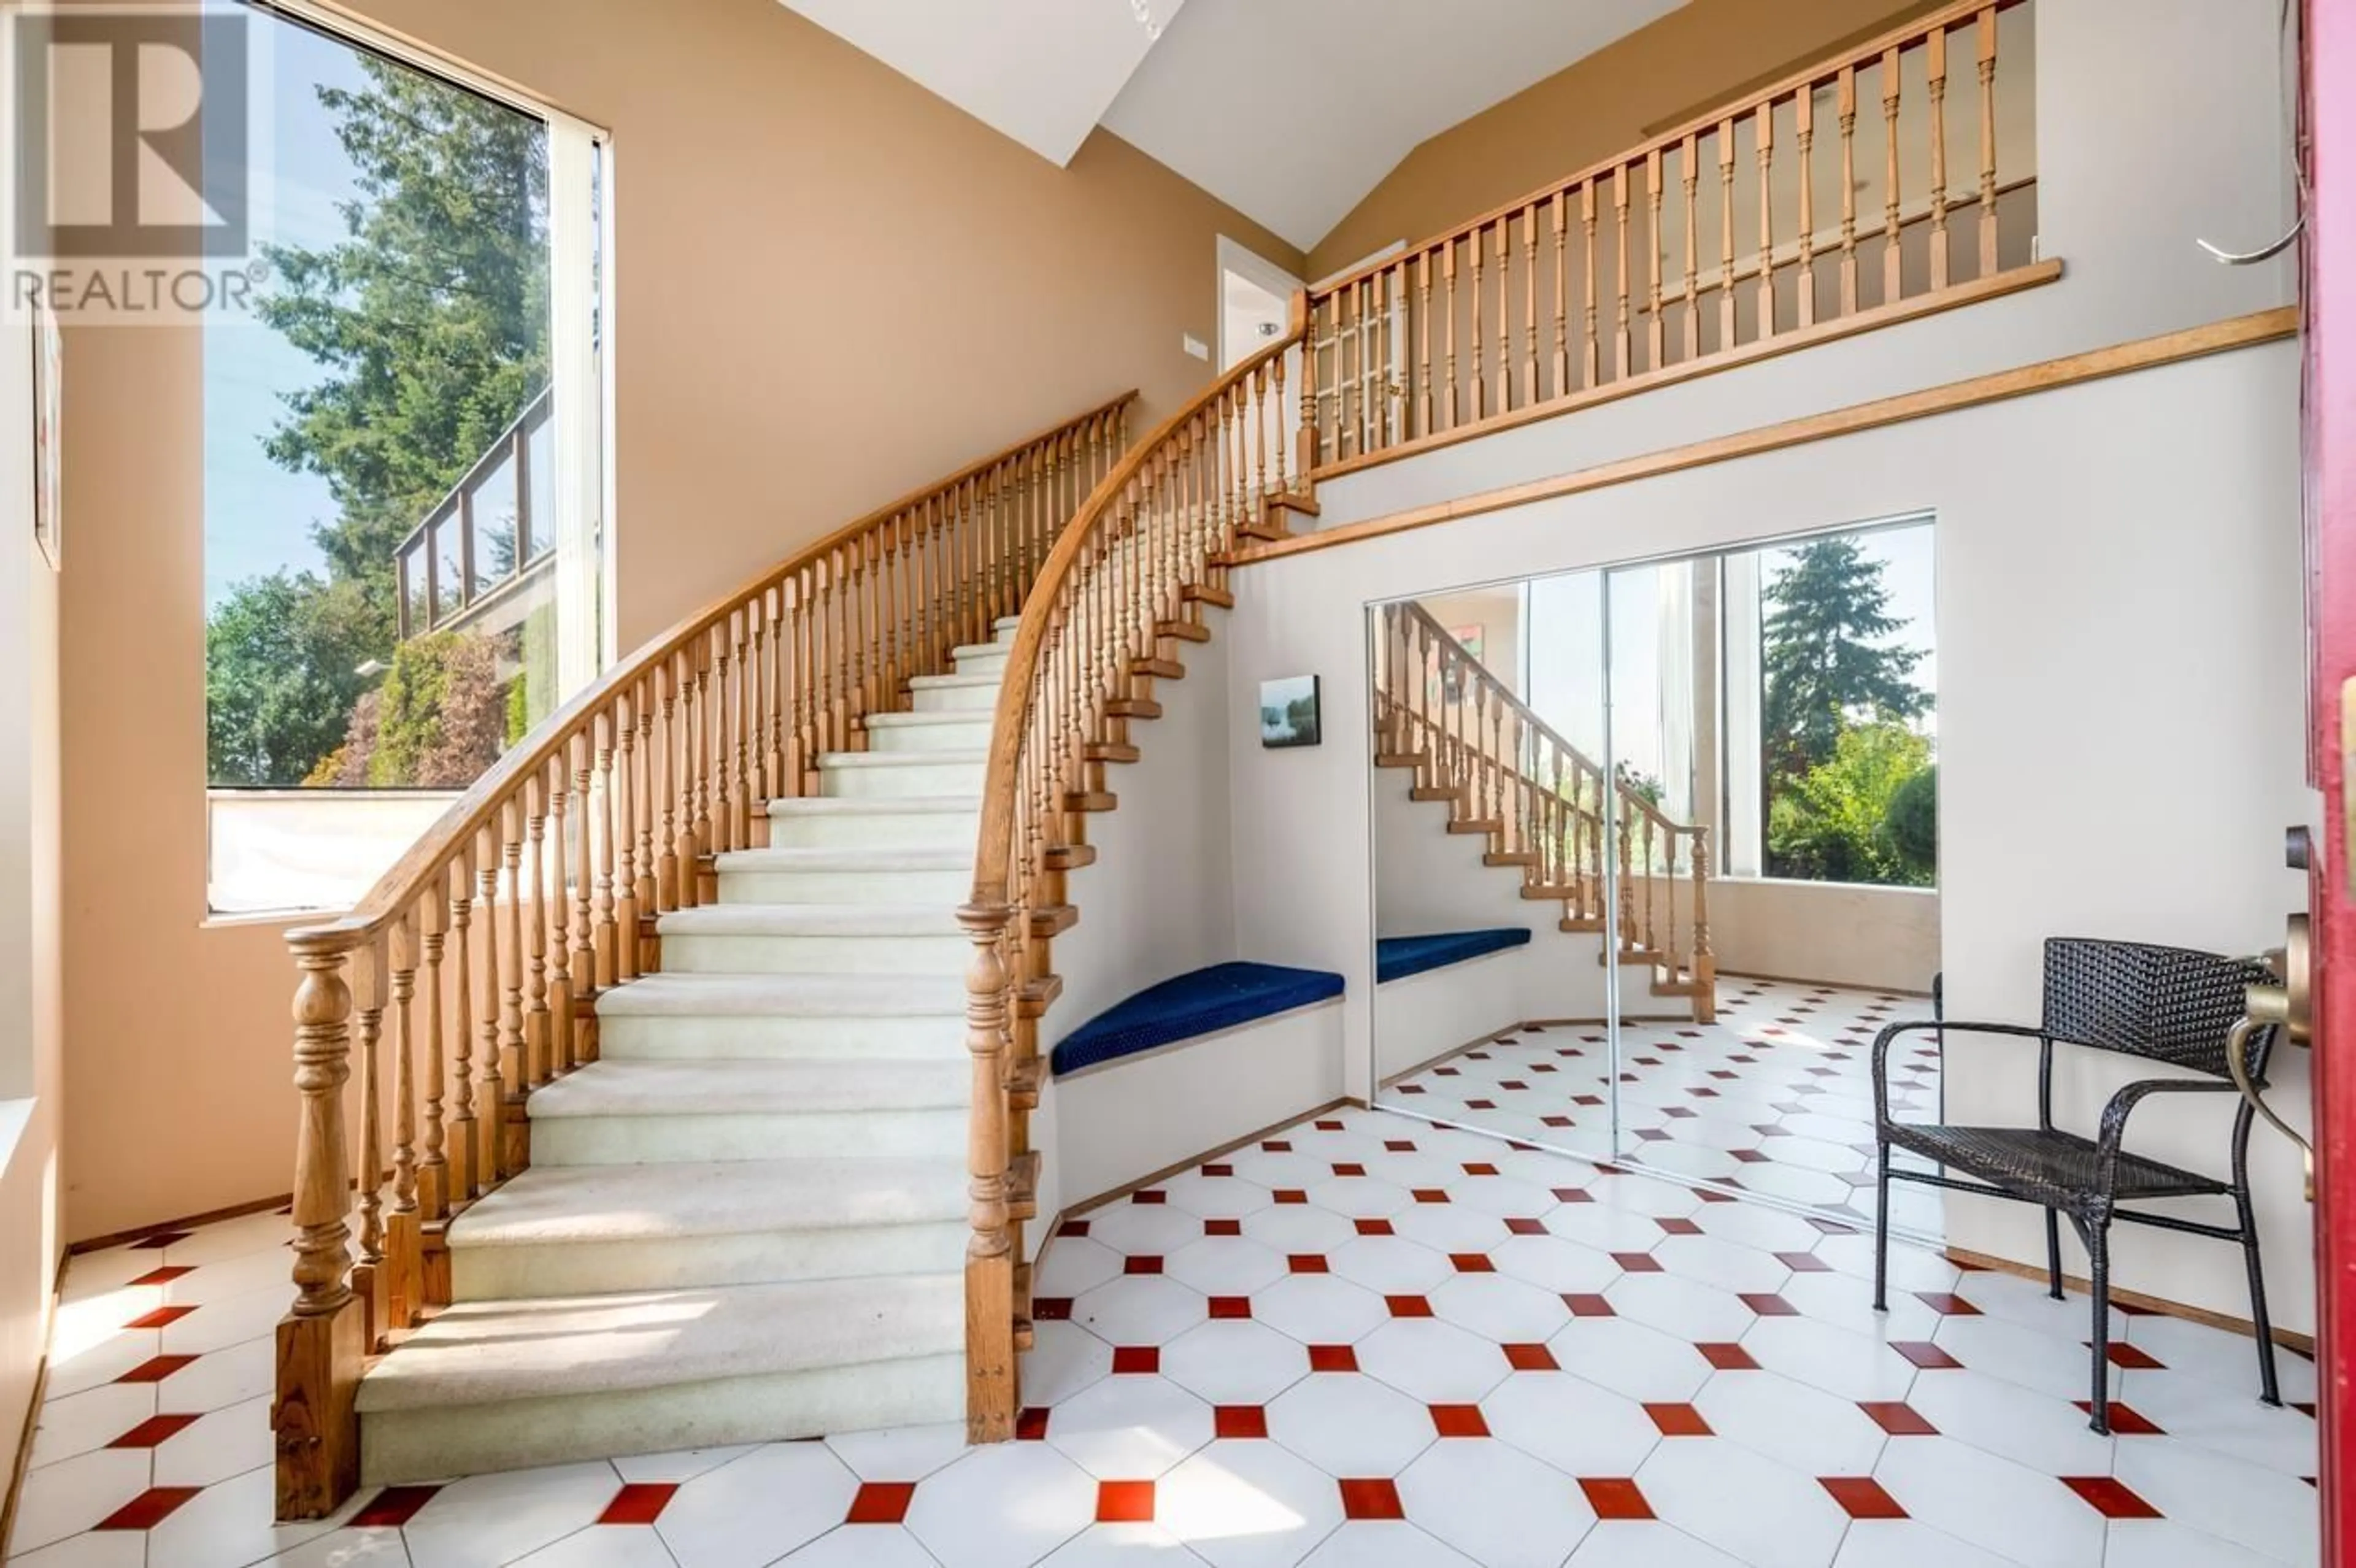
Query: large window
<point x="1831" y="677"/>
<point x="403" y="469"/>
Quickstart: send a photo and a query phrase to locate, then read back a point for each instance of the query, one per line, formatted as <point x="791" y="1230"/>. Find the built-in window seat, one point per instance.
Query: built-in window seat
<point x="1194" y="1062"/>
<point x="1396" y="957"/>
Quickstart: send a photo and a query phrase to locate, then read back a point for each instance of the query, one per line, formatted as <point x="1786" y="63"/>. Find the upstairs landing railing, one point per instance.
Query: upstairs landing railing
<point x="469" y="977"/>
<point x="1735" y="236"/>
<point x="1543" y="802"/>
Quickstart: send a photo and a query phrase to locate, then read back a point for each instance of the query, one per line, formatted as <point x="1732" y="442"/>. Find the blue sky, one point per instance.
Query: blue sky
<point x="257" y="517"/>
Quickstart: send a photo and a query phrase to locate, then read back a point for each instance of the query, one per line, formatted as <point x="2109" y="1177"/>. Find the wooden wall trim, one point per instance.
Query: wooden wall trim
<point x="2288" y="1338"/>
<point x="2050" y="375"/>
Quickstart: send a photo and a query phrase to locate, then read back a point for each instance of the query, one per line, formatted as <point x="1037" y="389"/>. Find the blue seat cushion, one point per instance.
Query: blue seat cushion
<point x="1201" y="1002"/>
<point x="1396" y="957"/>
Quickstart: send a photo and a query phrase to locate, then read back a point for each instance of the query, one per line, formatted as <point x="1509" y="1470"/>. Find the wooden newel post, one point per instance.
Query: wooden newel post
<point x="320" y="1344"/>
<point x="990" y="1365"/>
<point x="1705" y="962"/>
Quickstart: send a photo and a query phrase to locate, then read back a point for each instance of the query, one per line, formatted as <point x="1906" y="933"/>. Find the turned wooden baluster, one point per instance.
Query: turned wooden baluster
<point x="1505" y="313"/>
<point x="1627" y="877"/>
<point x="1848" y="100"/>
<point x="433" y="1160"/>
<point x="1621" y="365"/>
<point x="466" y="1171"/>
<point x="1765" y="120"/>
<point x="560" y="1009"/>
<point x="1447" y="269"/>
<point x="1478" y="398"/>
<point x="403" y="1243"/>
<point x="1987" y="143"/>
<point x="536" y="1013"/>
<point x="726" y="744"/>
<point x="780" y="708"/>
<point x="490" y="1058"/>
<point x="1656" y="330"/>
<point x="1591" y="341"/>
<point x="1935" y="67"/>
<point x="1561" y="293"/>
<point x="587" y="977"/>
<point x="1705" y="958"/>
<point x="1689" y="170"/>
<point x="514" y="1068"/>
<point x="1893" y="283"/>
<point x="1726" y="333"/>
<point x="664" y="763"/>
<point x="621" y="845"/>
<point x="597" y="837"/>
<point x="371" y="986"/>
<point x="1651" y="941"/>
<point x="1804" y="112"/>
<point x="1530" y="304"/>
<point x="1312" y="448"/>
<point x="643" y="786"/>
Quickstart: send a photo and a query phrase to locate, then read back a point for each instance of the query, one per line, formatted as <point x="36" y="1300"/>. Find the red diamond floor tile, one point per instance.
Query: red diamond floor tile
<point x="1371" y="1499"/>
<point x="1125" y="1502"/>
<point x="149" y="1509"/>
<point x="1239" y="1421"/>
<point x="2110" y="1497"/>
<point x="1897" y="1418"/>
<point x="392" y="1508"/>
<point x="1862" y="1497"/>
<point x="1615" y="1498"/>
<point x="152" y="1431"/>
<point x="642" y="1502"/>
<point x="1459" y="1421"/>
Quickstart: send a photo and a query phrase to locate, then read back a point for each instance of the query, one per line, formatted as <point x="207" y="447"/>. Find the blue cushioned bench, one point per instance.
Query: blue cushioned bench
<point x="1396" y="957"/>
<point x="1203" y="1002"/>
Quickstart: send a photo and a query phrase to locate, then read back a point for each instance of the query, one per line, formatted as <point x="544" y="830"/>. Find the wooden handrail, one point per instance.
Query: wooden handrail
<point x="471" y="969"/>
<point x="1122" y="589"/>
<point x="1577" y="286"/>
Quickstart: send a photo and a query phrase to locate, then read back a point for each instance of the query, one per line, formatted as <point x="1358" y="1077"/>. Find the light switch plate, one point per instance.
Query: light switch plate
<point x="1195" y="347"/>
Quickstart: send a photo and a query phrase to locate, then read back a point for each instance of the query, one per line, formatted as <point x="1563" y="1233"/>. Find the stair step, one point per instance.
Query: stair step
<point x="1477" y="824"/>
<point x="1401" y="759"/>
<point x="904" y="734"/>
<point x="1133" y="708"/>
<point x="1183" y="631"/>
<point x="904" y="822"/>
<point x="1509" y="857"/>
<point x="580" y="1230"/>
<point x="1035" y="996"/>
<point x="1091" y="800"/>
<point x="1204" y="593"/>
<point x="756" y="1017"/>
<point x="1435" y="792"/>
<point x="1112" y="752"/>
<point x="1537" y="892"/>
<point x="955" y="693"/>
<point x="863" y="775"/>
<point x="1054" y="920"/>
<point x="992" y="655"/>
<point x="1571" y="923"/>
<point x="1022" y="1082"/>
<point x="1005" y="627"/>
<point x="622" y="1113"/>
<point x="503" y="1385"/>
<point x="1070" y="857"/>
<point x="814" y="939"/>
<point x="802" y="874"/>
<point x="1160" y="670"/>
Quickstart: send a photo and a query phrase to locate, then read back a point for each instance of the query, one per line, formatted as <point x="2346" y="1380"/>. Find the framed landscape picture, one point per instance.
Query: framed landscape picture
<point x="1289" y="712"/>
<point x="49" y="456"/>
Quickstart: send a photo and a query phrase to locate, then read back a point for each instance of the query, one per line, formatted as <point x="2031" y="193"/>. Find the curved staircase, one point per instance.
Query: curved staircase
<point x="746" y="1218"/>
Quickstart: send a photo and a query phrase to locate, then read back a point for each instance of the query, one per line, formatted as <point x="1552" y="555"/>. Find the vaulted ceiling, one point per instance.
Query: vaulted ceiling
<point x="1290" y="111"/>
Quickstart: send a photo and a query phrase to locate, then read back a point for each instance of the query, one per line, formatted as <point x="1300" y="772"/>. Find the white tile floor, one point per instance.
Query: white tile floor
<point x="1776" y="1097"/>
<point x="1364" y="1342"/>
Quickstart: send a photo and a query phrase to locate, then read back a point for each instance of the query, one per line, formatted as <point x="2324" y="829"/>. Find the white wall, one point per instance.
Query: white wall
<point x="2159" y="122"/>
<point x="31" y="1027"/>
<point x="1840" y="934"/>
<point x="1160" y="899"/>
<point x="2121" y="691"/>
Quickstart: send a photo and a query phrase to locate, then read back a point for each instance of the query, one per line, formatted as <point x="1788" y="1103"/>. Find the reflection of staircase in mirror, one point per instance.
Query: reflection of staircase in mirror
<point x="1540" y="803"/>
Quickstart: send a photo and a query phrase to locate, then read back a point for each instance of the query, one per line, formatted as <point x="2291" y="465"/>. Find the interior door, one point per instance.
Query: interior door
<point x="2329" y="112"/>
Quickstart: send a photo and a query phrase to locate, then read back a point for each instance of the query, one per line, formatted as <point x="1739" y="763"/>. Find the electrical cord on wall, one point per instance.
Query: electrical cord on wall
<point x="2287" y="53"/>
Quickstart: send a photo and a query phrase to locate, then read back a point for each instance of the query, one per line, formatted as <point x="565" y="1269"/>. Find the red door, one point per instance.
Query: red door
<point x="2331" y="256"/>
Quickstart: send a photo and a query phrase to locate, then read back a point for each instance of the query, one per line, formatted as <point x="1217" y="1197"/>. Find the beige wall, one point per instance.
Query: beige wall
<point x="1696" y="57"/>
<point x="832" y="286"/>
<point x="30" y="1076"/>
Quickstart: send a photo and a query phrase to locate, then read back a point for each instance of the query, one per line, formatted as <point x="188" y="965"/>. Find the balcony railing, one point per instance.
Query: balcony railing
<point x="490" y="536"/>
<point x="1773" y="223"/>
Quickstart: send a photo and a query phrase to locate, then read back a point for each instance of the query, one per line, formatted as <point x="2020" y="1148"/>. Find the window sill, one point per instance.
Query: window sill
<point x="1731" y="879"/>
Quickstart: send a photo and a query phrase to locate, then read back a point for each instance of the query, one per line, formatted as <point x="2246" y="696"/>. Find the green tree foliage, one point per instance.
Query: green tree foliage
<point x="431" y="317"/>
<point x="283" y="654"/>
<point x="1913" y="825"/>
<point x="1828" y="658"/>
<point x="430" y="322"/>
<point x="1833" y="822"/>
<point x="438" y="721"/>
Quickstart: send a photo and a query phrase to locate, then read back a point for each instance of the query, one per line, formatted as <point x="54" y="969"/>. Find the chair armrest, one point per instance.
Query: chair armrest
<point x="2122" y="1104"/>
<point x="1891" y="1031"/>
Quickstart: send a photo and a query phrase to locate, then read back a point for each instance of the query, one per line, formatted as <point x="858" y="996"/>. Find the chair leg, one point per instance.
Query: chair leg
<point x="2097" y="1234"/>
<point x="2053" y="1255"/>
<point x="2269" y="1391"/>
<point x="1881" y="1234"/>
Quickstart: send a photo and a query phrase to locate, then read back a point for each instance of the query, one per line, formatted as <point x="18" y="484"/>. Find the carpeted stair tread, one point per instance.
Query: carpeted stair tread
<point x="969" y="718"/>
<point x="845" y="859"/>
<point x="975" y="757"/>
<point x="558" y="1205"/>
<point x="888" y="805"/>
<point x="486" y="1352"/>
<point x="786" y="996"/>
<point x="759" y="1088"/>
<point x="811" y="919"/>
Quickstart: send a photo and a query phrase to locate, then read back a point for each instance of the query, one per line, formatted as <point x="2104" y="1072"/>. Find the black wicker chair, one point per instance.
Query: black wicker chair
<point x="2168" y="1004"/>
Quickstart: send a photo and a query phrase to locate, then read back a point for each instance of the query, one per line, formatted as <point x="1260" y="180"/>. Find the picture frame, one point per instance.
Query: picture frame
<point x="48" y="453"/>
<point x="1291" y="712"/>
